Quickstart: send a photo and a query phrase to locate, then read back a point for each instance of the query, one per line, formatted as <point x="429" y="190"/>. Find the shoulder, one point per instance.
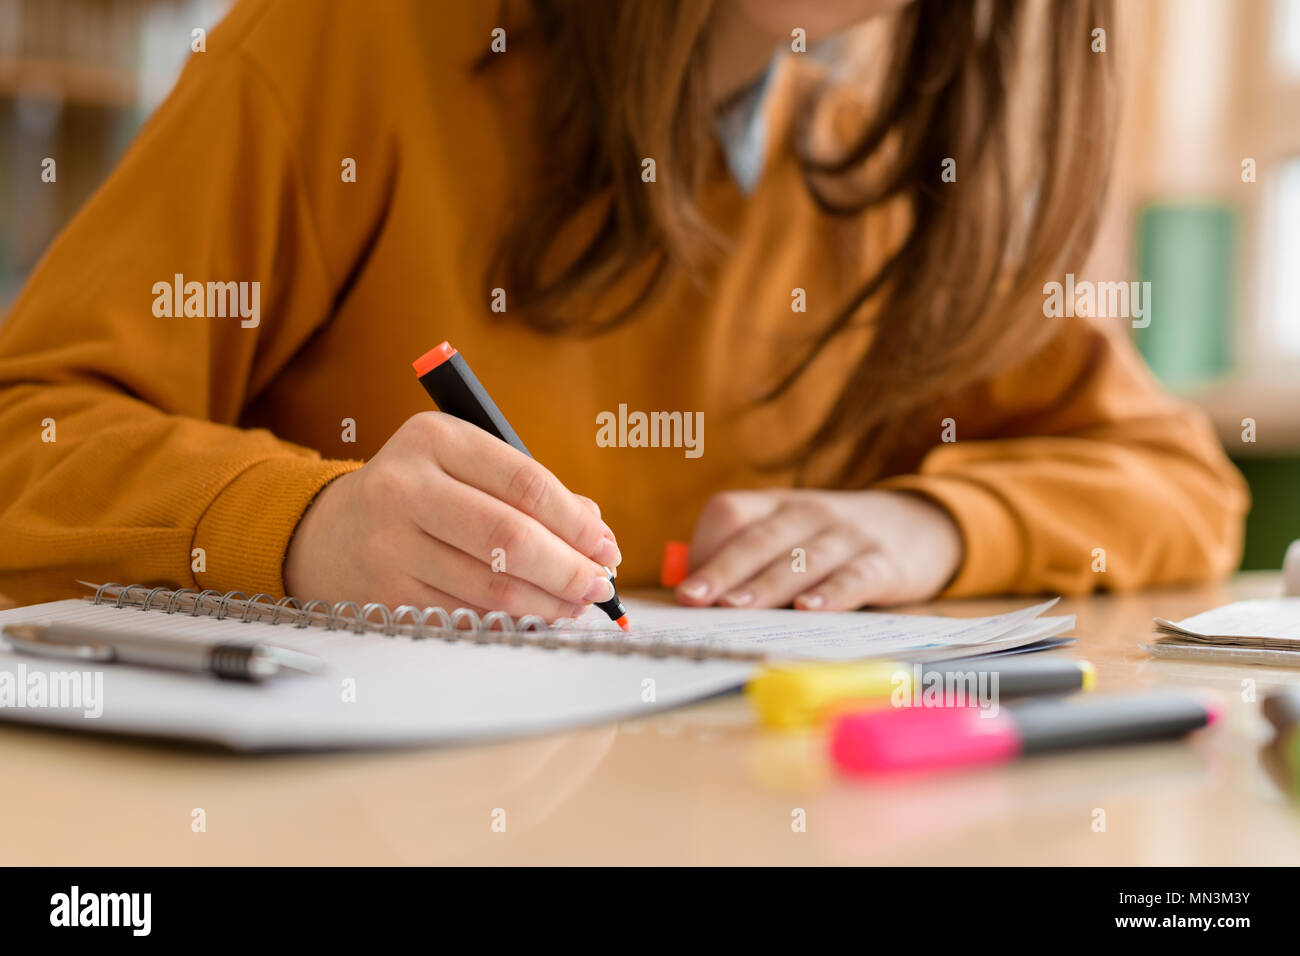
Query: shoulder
<point x="318" y="43"/>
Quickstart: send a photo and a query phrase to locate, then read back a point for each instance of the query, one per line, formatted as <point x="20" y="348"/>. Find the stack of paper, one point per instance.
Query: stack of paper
<point x="1265" y="631"/>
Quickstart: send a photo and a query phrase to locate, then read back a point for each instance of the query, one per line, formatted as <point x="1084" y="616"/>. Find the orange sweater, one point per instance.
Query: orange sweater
<point x="175" y="433"/>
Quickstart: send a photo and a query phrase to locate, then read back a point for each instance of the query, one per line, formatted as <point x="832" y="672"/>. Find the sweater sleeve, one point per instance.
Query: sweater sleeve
<point x="1090" y="477"/>
<point x="120" y="452"/>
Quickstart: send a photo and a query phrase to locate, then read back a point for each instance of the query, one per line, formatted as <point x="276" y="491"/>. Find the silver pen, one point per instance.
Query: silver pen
<point x="248" y="662"/>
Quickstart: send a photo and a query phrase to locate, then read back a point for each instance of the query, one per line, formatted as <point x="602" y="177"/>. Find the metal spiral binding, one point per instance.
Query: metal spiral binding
<point x="462" y="624"/>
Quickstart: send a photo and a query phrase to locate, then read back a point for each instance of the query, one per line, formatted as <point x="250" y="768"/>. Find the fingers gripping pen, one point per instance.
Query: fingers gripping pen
<point x="450" y="383"/>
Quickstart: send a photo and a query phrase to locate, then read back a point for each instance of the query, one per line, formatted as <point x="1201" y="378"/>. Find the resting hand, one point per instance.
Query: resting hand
<point x="855" y="548"/>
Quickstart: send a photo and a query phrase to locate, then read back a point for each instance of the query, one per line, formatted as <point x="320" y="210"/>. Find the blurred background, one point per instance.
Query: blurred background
<point x="1206" y="203"/>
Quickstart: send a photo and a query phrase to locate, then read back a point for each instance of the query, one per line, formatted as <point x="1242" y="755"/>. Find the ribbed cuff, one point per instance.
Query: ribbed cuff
<point x="994" y="548"/>
<point x="246" y="530"/>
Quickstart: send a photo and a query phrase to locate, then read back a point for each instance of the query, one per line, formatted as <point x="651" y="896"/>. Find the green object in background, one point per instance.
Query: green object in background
<point x="1274" y="519"/>
<point x="1188" y="254"/>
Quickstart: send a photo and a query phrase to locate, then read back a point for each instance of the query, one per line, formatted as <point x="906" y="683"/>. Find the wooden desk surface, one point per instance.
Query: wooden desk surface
<point x="696" y="785"/>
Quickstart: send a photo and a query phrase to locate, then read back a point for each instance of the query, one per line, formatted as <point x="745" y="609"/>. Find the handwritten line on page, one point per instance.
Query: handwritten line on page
<point x="823" y="636"/>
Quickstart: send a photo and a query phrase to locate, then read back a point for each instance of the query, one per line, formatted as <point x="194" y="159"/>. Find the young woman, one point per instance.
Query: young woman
<point x="830" y="265"/>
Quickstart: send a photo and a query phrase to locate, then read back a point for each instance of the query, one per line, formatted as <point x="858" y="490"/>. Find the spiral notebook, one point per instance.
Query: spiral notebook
<point x="401" y="676"/>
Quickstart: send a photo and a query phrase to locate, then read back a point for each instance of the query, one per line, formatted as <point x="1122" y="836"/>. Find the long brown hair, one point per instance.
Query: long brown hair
<point x="957" y="300"/>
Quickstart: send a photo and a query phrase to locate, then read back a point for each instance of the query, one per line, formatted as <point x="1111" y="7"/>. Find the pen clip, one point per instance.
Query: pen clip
<point x="30" y="639"/>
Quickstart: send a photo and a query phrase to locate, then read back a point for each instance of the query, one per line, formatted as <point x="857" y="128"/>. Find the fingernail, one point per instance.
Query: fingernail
<point x="809" y="602"/>
<point x="695" y="588"/>
<point x="602" y="589"/>
<point x="608" y="553"/>
<point x="739" y="598"/>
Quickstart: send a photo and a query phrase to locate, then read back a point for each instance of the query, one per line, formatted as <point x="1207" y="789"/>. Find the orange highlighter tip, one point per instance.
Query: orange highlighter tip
<point x="622" y="622"/>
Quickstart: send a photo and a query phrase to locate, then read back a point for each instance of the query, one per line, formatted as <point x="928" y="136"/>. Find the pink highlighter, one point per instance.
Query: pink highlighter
<point x="895" y="739"/>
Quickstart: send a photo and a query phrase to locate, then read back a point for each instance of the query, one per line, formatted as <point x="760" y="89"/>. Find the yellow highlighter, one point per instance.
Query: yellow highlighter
<point x="793" y="696"/>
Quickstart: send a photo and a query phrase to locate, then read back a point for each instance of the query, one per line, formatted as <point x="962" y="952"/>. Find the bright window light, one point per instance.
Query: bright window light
<point x="1288" y="35"/>
<point x="1286" y="259"/>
